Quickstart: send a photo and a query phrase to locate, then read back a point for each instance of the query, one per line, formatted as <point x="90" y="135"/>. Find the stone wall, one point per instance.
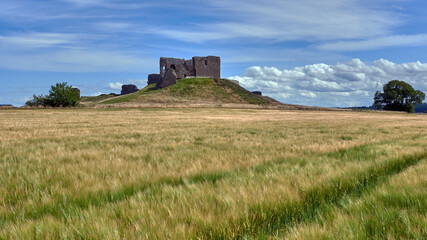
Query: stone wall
<point x="235" y="82"/>
<point x="197" y="67"/>
<point x="168" y="78"/>
<point x="128" y="88"/>
<point x="153" y="78"/>
<point x="209" y="66"/>
<point x="182" y="67"/>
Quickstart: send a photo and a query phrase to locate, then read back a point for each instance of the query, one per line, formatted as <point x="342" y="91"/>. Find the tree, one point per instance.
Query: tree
<point x="60" y="95"/>
<point x="37" y="101"/>
<point x="398" y="96"/>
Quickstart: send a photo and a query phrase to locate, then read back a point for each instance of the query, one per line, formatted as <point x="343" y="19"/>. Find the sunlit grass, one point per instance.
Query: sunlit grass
<point x="205" y="173"/>
<point x="397" y="209"/>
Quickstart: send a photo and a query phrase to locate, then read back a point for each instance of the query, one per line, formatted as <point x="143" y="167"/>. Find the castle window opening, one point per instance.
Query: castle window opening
<point x="206" y="62"/>
<point x="173" y="66"/>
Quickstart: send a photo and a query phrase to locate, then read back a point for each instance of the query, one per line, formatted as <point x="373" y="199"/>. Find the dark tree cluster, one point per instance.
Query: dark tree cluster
<point x="398" y="96"/>
<point x="60" y="95"/>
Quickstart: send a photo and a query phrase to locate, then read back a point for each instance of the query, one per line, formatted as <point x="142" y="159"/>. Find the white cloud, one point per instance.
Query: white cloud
<point x="95" y="94"/>
<point x="118" y="85"/>
<point x="138" y="82"/>
<point x="193" y="36"/>
<point x="115" y="86"/>
<point x="351" y="83"/>
<point x="38" y="40"/>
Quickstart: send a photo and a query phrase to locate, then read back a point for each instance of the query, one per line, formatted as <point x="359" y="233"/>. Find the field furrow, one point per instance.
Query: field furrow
<point x="396" y="209"/>
<point x="266" y="219"/>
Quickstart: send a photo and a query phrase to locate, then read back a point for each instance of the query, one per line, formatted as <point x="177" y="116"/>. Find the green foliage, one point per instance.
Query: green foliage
<point x="60" y="95"/>
<point x="398" y="96"/>
<point x="37" y="101"/>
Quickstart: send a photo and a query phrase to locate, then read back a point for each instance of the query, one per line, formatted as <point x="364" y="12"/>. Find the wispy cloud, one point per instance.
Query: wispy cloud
<point x="68" y="52"/>
<point x="292" y="20"/>
<point x="113" y="27"/>
<point x="78" y="61"/>
<point x="115" y="85"/>
<point x="39" y="40"/>
<point x="86" y="2"/>
<point x="108" y="4"/>
<point x="375" y="43"/>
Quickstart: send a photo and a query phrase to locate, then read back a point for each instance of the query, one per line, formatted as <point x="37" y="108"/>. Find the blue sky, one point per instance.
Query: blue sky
<point x="311" y="52"/>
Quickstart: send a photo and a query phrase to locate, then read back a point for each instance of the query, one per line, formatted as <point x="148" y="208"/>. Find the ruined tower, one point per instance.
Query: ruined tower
<point x="209" y="66"/>
<point x="196" y="67"/>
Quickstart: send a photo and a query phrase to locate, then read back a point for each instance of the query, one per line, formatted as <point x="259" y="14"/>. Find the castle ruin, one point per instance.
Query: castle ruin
<point x="172" y="69"/>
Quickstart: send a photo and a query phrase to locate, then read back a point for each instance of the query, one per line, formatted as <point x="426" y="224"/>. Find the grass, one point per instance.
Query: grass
<point x="211" y="173"/>
<point x="190" y="90"/>
<point x="96" y="98"/>
<point x="395" y="210"/>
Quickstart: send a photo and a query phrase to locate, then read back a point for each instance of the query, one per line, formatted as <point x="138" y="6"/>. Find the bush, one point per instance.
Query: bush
<point x="37" y="101"/>
<point x="60" y="95"/>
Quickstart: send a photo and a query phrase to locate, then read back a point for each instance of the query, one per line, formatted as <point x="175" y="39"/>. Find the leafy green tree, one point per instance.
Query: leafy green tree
<point x="62" y="95"/>
<point x="398" y="96"/>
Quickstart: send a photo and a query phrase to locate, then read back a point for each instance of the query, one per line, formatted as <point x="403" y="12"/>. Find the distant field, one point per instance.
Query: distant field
<point x="212" y="174"/>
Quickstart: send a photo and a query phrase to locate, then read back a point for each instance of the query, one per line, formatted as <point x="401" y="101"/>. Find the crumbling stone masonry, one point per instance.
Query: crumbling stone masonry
<point x="128" y="88"/>
<point x="77" y="91"/>
<point x="207" y="67"/>
<point x="196" y="67"/>
<point x="235" y="82"/>
<point x="167" y="79"/>
<point x="153" y="78"/>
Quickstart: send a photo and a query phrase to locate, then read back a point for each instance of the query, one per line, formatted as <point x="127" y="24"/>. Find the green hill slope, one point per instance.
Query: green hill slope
<point x="192" y="90"/>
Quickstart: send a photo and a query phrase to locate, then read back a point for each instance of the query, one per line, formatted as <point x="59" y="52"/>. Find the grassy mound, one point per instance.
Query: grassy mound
<point x="97" y="98"/>
<point x="192" y="90"/>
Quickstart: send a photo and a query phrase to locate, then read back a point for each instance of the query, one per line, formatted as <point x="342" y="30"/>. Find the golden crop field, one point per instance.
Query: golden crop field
<point x="212" y="174"/>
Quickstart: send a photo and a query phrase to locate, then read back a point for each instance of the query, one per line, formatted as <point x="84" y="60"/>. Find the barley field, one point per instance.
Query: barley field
<point x="212" y="174"/>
